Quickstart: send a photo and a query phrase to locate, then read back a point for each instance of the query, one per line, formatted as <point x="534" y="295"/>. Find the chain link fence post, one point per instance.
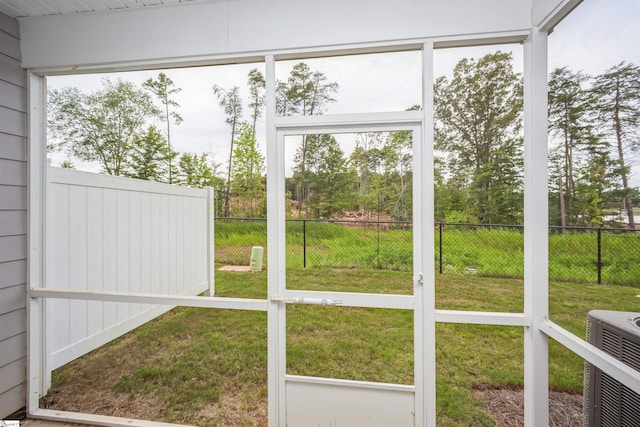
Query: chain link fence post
<point x="304" y="243"/>
<point x="379" y="266"/>
<point x="440" y="230"/>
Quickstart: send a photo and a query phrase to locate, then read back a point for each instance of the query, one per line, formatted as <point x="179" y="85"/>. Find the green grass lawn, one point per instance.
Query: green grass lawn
<point x="208" y="367"/>
<point x="488" y="252"/>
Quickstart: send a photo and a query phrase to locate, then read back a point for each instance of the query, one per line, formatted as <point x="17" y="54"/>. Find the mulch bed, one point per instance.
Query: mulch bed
<point x="507" y="408"/>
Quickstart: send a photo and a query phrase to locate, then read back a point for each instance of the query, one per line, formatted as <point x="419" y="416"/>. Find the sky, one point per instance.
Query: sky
<point x="597" y="35"/>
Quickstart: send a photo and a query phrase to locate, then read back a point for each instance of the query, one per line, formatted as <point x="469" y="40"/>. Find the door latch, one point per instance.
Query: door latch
<point x="314" y="301"/>
<point x="306" y="300"/>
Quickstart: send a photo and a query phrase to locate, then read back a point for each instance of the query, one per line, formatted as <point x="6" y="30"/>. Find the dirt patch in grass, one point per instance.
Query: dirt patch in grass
<point x="103" y="402"/>
<point x="507" y="408"/>
<point x="236" y="268"/>
<point x="234" y="409"/>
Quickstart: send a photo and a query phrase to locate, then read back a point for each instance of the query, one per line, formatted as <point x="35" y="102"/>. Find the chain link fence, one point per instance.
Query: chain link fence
<point x="577" y="254"/>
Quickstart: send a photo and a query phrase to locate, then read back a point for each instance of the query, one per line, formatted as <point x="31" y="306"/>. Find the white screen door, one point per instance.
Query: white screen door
<point x="311" y="382"/>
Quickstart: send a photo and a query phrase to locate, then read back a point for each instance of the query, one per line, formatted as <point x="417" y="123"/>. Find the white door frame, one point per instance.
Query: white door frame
<point x="424" y="325"/>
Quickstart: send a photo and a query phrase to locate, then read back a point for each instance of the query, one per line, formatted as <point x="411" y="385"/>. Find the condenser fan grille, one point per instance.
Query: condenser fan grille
<point x="631" y="354"/>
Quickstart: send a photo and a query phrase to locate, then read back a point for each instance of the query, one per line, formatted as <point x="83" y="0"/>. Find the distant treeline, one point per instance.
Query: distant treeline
<point x="594" y="129"/>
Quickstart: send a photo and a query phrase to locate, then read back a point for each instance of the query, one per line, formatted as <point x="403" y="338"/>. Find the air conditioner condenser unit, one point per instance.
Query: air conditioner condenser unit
<point x="608" y="403"/>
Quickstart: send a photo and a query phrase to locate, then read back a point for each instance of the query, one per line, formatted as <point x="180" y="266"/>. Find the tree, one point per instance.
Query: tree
<point x="618" y="104"/>
<point x="195" y="171"/>
<point x="306" y="92"/>
<point x="231" y="102"/>
<point x="326" y="177"/>
<point x="570" y="123"/>
<point x="382" y="162"/>
<point x="399" y="173"/>
<point x="335" y="183"/>
<point x="248" y="167"/>
<point x="150" y="156"/>
<point x="256" y="85"/>
<point x="366" y="160"/>
<point x="596" y="178"/>
<point x="478" y="126"/>
<point x="163" y="88"/>
<point x="99" y="126"/>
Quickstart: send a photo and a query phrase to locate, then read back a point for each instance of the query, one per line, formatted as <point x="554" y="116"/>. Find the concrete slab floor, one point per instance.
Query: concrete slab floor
<point x="42" y="423"/>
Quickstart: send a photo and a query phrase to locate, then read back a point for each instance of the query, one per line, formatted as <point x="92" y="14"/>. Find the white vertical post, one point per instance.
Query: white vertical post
<point x="425" y="331"/>
<point x="536" y="275"/>
<point x="276" y="273"/>
<point x="37" y="355"/>
<point x="211" y="290"/>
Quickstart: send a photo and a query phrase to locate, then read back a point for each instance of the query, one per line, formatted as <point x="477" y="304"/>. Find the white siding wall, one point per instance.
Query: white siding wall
<point x="13" y="220"/>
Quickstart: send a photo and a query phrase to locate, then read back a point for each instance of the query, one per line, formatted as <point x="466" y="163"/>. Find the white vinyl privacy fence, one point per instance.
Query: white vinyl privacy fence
<point x="106" y="233"/>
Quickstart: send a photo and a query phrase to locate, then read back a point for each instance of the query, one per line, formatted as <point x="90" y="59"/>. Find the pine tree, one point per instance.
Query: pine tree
<point x="231" y="102"/>
<point x="248" y="168"/>
<point x="618" y="104"/>
<point x="256" y="85"/>
<point x="163" y="88"/>
<point x="305" y="93"/>
<point x="570" y="125"/>
<point x="150" y="156"/>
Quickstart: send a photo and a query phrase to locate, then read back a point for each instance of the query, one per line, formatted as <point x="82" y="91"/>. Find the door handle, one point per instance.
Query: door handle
<point x="314" y="301"/>
<point x="306" y="300"/>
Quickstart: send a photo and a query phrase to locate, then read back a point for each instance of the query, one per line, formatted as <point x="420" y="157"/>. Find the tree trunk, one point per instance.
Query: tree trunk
<point x="628" y="205"/>
<point x="563" y="221"/>
<point x="623" y="168"/>
<point x="166" y="103"/>
<point x="305" y="189"/>
<point x="228" y="189"/>
<point x="569" y="182"/>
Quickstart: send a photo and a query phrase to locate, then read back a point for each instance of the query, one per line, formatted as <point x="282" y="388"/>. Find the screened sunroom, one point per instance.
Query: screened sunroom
<point x="60" y="270"/>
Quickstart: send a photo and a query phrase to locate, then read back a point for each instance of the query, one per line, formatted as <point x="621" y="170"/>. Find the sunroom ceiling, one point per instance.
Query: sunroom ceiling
<point x="29" y="8"/>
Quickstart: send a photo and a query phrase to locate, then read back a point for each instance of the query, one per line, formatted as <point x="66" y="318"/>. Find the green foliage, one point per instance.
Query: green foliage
<point x="100" y="126"/>
<point x="618" y="107"/>
<point x="321" y="178"/>
<point x="163" y="88"/>
<point x="593" y="122"/>
<point x="478" y="129"/>
<point x="248" y="171"/>
<point x="457" y="217"/>
<point x="67" y="164"/>
<point x="383" y="163"/>
<point x="231" y="102"/>
<point x="257" y="87"/>
<point x="195" y="171"/>
<point x="306" y="92"/>
<point x="594" y="126"/>
<point x="579" y="158"/>
<point x="149" y="156"/>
